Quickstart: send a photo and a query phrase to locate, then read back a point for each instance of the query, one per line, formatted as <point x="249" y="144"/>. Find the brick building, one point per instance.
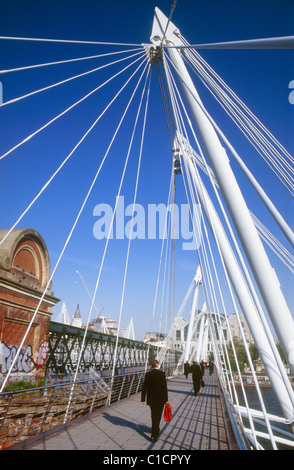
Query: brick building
<point x="24" y="275"/>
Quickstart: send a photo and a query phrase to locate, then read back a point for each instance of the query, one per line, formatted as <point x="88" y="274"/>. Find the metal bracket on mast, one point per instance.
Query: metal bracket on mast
<point x="154" y="53"/>
<point x="177" y="168"/>
<point x="158" y="35"/>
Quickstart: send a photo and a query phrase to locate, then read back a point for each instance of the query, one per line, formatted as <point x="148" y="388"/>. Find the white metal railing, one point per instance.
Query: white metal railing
<point x="252" y="429"/>
<point x="26" y="413"/>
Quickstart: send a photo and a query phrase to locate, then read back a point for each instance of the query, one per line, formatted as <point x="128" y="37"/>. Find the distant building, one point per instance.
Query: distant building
<point x="179" y="333"/>
<point x="201" y="341"/>
<point x="25" y="297"/>
<point x="236" y="330"/>
<point x="101" y="324"/>
<point x="110" y="327"/>
<point x="155" y="338"/>
<point x="77" y="318"/>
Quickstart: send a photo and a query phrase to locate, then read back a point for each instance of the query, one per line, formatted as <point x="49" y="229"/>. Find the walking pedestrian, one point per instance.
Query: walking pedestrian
<point x="211" y="367"/>
<point x="155" y="387"/>
<point x="186" y="369"/>
<point x="196" y="377"/>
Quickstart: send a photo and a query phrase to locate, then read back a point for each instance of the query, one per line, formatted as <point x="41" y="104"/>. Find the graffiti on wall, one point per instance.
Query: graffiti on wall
<point x="23" y="363"/>
<point x="42" y="353"/>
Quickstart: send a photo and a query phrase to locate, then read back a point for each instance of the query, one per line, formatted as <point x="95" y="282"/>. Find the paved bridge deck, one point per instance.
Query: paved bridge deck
<point x="199" y="423"/>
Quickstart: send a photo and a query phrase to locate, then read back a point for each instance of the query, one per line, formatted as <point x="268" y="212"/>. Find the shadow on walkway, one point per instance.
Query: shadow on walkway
<point x="141" y="429"/>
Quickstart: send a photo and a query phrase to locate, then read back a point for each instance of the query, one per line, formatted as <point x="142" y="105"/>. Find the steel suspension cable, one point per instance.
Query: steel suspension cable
<point x="265" y="416"/>
<point x="165" y="237"/>
<point x="236" y="310"/>
<point x="174" y="106"/>
<point x="72" y="106"/>
<point x="71" y="153"/>
<point x="223" y="346"/>
<point x="62" y="82"/>
<point x="247" y="277"/>
<point x="67" y="41"/>
<point x="63" y="249"/>
<point x="287" y="231"/>
<point x="269" y="238"/>
<point x="271" y="342"/>
<point x="112" y="219"/>
<point x="200" y="59"/>
<point x="66" y="61"/>
<point x="228" y="103"/>
<point x="255" y="137"/>
<point x="179" y="125"/>
<point x="132" y="221"/>
<point x="174" y="118"/>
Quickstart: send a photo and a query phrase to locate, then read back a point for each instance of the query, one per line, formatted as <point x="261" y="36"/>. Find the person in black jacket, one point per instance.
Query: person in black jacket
<point x="186" y="369"/>
<point x="196" y="377"/>
<point x="155" y="387"/>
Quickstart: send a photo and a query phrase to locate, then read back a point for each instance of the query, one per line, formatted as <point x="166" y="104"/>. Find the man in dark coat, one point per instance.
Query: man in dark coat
<point x="196" y="376"/>
<point x="211" y="366"/>
<point x="186" y="369"/>
<point x="155" y="387"/>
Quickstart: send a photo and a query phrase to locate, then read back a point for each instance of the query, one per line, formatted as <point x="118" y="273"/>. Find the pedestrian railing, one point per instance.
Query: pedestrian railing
<point x="255" y="429"/>
<point x="27" y="413"/>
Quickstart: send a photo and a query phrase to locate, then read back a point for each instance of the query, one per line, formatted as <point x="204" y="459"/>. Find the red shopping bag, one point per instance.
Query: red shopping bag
<point x="167" y="412"/>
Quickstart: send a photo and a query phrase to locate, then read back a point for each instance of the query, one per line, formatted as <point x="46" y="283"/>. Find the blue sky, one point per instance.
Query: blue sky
<point x="260" y="78"/>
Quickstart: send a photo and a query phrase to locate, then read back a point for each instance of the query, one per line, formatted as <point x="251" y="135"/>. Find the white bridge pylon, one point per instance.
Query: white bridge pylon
<point x="63" y="315"/>
<point x="165" y="34"/>
<point x="193" y="321"/>
<point x="197" y="347"/>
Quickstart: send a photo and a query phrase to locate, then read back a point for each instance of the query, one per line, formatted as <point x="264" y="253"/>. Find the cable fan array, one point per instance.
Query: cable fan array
<point x="137" y="65"/>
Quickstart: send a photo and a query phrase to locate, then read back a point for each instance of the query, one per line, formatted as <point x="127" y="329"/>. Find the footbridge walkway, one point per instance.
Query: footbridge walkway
<point x="199" y="423"/>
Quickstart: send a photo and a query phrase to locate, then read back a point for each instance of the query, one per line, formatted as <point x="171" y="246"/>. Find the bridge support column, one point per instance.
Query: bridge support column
<point x="263" y="272"/>
<point x="164" y="31"/>
<point x="261" y="341"/>
<point x="197" y="281"/>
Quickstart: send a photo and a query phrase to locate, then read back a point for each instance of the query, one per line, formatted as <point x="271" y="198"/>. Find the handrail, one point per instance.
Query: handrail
<point x="240" y="436"/>
<point x="27" y="413"/>
<point x="244" y="435"/>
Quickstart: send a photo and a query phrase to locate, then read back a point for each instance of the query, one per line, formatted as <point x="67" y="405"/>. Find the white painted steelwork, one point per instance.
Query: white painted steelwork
<point x="165" y="33"/>
<point x="263" y="271"/>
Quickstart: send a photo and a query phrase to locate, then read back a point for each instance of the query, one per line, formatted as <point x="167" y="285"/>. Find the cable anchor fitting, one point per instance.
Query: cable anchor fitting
<point x="154" y="53"/>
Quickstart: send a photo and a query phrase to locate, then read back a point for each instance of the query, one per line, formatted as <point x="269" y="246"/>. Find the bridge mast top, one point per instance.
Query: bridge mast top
<point x="161" y="29"/>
